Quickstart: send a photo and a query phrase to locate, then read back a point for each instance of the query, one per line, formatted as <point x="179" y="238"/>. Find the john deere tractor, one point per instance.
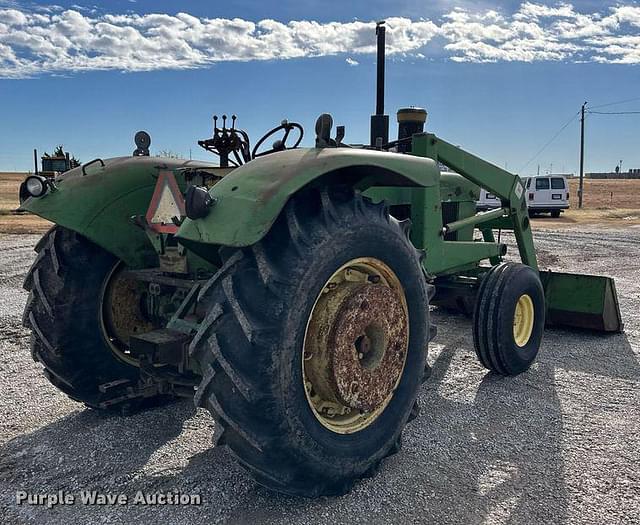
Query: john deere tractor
<point x="287" y="290"/>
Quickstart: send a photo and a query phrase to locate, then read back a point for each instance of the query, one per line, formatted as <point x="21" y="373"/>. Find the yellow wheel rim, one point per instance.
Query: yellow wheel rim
<point x="523" y="318"/>
<point x="355" y="346"/>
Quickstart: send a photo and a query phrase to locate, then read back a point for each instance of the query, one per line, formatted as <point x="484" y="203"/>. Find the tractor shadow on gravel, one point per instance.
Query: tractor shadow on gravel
<point x="498" y="453"/>
<point x="89" y="449"/>
<point x="159" y="450"/>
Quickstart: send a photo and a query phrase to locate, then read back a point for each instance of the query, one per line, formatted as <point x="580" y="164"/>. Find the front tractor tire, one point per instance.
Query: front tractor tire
<point x="65" y="313"/>
<point x="508" y="320"/>
<point x="314" y="345"/>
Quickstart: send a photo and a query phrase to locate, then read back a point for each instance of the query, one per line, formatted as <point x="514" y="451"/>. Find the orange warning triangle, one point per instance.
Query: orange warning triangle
<point x="167" y="202"/>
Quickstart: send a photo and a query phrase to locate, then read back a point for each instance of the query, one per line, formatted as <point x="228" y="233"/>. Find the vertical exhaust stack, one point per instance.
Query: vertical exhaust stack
<point x="380" y="121"/>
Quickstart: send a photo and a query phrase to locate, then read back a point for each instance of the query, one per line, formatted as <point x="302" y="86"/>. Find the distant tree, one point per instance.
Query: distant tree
<point x="168" y="154"/>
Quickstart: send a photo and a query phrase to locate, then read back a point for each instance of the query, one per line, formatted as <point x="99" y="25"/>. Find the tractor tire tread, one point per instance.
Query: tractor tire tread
<point x="486" y="318"/>
<point x="239" y="349"/>
<point x="62" y="339"/>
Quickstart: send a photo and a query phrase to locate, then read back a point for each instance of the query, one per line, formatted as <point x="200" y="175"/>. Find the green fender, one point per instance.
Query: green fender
<point x="250" y="198"/>
<point x="100" y="202"/>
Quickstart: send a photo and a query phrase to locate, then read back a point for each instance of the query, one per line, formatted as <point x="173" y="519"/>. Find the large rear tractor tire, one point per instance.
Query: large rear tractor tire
<point x="314" y="345"/>
<point x="66" y="314"/>
<point x="508" y="320"/>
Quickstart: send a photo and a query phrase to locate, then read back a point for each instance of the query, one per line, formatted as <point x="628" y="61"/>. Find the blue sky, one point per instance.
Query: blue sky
<point x="500" y="79"/>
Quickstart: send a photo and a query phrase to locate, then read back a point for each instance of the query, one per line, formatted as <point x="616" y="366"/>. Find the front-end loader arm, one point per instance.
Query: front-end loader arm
<point x="578" y="301"/>
<point x="505" y="185"/>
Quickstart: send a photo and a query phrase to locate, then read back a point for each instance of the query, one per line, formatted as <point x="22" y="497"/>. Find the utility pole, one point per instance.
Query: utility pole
<point x="581" y="156"/>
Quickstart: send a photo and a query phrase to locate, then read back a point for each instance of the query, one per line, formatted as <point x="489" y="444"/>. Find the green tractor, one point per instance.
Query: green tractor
<point x="52" y="166"/>
<point x="288" y="290"/>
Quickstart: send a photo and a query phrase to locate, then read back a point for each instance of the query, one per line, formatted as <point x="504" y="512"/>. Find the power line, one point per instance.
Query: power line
<point x="614" y="112"/>
<point x="549" y="141"/>
<point x="615" y="103"/>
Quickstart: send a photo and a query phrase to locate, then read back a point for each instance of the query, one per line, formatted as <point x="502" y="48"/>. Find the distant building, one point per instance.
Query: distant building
<point x="633" y="173"/>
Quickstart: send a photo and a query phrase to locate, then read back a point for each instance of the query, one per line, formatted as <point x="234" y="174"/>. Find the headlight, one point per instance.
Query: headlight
<point x="36" y="186"/>
<point x="197" y="202"/>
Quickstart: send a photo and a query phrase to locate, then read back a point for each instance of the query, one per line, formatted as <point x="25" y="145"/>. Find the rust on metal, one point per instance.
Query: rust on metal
<point x="122" y="316"/>
<point x="368" y="343"/>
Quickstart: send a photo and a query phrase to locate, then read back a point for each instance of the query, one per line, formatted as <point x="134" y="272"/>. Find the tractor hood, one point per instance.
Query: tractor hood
<point x="250" y="198"/>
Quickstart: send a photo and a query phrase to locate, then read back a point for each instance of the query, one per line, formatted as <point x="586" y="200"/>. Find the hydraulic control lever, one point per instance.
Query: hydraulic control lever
<point x="226" y="141"/>
<point x="232" y="141"/>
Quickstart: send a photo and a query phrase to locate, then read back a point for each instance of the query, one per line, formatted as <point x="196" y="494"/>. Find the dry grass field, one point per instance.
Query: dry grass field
<point x="10" y="222"/>
<point x="609" y="203"/>
<point x="613" y="203"/>
<point x="607" y="194"/>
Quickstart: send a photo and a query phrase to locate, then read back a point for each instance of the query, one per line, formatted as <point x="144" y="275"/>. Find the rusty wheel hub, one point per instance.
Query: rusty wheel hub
<point x="121" y="313"/>
<point x="355" y="345"/>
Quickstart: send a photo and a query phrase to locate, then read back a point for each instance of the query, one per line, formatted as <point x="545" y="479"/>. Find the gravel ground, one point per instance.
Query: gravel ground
<point x="558" y="444"/>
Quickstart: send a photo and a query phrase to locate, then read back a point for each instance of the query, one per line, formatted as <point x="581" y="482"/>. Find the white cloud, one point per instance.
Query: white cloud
<point x="352" y="62"/>
<point x="53" y="40"/>
<point x="541" y="32"/>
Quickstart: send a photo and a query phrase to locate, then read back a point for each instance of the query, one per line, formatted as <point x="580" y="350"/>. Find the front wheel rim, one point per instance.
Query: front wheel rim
<point x="355" y="346"/>
<point x="523" y="320"/>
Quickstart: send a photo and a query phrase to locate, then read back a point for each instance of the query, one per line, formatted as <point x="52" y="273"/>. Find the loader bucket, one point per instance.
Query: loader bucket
<point x="582" y="301"/>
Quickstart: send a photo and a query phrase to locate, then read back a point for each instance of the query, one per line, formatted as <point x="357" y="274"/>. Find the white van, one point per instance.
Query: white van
<point x="547" y="194"/>
<point x="490" y="201"/>
<point x="487" y="201"/>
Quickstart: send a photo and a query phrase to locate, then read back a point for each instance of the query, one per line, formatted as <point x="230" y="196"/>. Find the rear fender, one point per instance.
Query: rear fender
<point x="249" y="200"/>
<point x="99" y="203"/>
